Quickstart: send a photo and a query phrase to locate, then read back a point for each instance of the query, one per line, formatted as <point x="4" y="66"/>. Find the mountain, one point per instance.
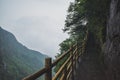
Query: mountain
<point x="16" y="60"/>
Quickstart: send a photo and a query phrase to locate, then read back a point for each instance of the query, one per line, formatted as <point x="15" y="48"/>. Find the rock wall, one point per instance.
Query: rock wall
<point x="112" y="48"/>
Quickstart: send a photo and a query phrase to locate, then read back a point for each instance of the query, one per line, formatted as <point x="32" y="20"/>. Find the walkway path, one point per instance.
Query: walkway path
<point x="89" y="66"/>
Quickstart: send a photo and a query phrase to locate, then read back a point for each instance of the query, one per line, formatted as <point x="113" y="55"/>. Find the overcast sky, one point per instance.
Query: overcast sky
<point x="37" y="24"/>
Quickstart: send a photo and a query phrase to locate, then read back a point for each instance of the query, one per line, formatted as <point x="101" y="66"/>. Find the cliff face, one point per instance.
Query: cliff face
<point x="112" y="48"/>
<point x="98" y="65"/>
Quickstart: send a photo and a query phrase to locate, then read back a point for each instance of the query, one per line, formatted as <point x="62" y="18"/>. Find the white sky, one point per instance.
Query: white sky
<point x="37" y="24"/>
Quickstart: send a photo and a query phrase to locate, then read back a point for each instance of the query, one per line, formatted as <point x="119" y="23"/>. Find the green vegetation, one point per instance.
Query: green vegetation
<point x="17" y="61"/>
<point x="85" y="15"/>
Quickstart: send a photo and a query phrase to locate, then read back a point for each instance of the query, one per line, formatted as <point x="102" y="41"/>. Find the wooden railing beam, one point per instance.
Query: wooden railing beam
<point x="36" y="75"/>
<point x="61" y="69"/>
<point x="63" y="55"/>
<point x="66" y="71"/>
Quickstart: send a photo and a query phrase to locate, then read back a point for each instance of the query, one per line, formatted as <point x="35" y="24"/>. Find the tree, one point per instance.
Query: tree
<point x="85" y="15"/>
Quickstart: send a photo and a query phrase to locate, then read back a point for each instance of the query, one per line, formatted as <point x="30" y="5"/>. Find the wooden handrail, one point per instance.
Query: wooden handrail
<point x="36" y="75"/>
<point x="67" y="68"/>
<point x="63" y="55"/>
<point x="61" y="68"/>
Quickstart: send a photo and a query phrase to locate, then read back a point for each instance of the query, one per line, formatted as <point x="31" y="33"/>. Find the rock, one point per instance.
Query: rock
<point x="112" y="48"/>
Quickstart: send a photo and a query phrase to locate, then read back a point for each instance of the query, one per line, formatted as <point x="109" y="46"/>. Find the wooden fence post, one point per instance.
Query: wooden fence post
<point x="48" y="75"/>
<point x="76" y="54"/>
<point x="72" y="76"/>
<point x="65" y="73"/>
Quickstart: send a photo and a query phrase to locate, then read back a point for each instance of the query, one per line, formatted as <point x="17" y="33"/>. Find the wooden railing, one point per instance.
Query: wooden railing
<point x="66" y="71"/>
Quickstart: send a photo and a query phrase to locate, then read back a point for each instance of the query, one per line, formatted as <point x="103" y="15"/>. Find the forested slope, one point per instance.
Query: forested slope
<point x="16" y="60"/>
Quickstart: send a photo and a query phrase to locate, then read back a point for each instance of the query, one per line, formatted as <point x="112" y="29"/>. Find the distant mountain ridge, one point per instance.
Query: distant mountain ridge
<point x="16" y="60"/>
